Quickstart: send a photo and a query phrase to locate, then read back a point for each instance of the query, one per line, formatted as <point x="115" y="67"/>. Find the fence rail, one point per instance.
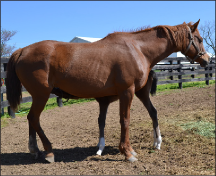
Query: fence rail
<point x="168" y="68"/>
<point x="179" y="67"/>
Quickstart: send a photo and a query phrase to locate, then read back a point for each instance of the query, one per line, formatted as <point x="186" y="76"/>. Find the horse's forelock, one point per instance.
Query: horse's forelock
<point x="190" y="24"/>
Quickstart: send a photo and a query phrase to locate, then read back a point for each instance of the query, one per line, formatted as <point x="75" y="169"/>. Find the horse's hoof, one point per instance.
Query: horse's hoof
<point x="157" y="142"/>
<point x="50" y="158"/>
<point x="133" y="153"/>
<point x="156" y="147"/>
<point x="101" y="146"/>
<point x="37" y="155"/>
<point x="132" y="159"/>
<point x="99" y="152"/>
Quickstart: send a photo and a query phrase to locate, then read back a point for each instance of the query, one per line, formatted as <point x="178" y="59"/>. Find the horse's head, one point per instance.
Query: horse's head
<point x="195" y="50"/>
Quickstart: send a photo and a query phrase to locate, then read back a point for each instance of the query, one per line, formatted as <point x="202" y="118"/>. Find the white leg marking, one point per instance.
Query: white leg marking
<point x="133" y="153"/>
<point x="132" y="159"/>
<point x="101" y="146"/>
<point x="157" y="141"/>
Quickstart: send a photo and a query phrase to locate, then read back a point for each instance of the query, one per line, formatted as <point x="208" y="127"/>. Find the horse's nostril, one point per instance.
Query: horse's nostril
<point x="205" y="63"/>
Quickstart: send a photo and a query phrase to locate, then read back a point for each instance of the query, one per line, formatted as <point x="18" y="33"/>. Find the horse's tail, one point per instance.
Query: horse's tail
<point x="13" y="84"/>
<point x="154" y="82"/>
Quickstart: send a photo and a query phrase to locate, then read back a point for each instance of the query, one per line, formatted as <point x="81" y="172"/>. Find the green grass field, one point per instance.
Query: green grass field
<point x="164" y="87"/>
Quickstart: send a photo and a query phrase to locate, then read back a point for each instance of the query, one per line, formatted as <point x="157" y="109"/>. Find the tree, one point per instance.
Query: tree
<point x="207" y="31"/>
<point x="6" y="50"/>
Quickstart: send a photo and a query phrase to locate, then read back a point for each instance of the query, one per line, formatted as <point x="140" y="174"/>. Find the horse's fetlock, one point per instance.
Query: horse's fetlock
<point x="121" y="148"/>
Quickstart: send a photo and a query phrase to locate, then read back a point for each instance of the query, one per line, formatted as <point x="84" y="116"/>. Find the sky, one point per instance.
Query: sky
<point x="35" y="21"/>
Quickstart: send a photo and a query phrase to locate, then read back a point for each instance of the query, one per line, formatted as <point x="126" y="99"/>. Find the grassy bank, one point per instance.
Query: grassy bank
<point x="164" y="87"/>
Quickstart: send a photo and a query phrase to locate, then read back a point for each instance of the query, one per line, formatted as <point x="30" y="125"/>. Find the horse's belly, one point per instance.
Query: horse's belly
<point x="87" y="87"/>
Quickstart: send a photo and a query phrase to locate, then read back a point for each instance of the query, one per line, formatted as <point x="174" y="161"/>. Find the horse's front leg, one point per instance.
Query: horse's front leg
<point x="143" y="95"/>
<point x="126" y="98"/>
<point x="103" y="104"/>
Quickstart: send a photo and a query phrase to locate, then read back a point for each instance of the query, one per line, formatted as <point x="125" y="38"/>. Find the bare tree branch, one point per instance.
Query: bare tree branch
<point x="208" y="34"/>
<point x="6" y="50"/>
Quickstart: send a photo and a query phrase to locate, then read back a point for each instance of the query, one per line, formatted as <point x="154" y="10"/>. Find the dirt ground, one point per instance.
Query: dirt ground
<point x="73" y="131"/>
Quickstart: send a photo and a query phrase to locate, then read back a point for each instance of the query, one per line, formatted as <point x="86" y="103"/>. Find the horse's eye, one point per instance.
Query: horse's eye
<point x="200" y="39"/>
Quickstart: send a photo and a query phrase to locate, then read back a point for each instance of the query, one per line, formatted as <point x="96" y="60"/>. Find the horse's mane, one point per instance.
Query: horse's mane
<point x="148" y="28"/>
<point x="139" y="29"/>
<point x="175" y="34"/>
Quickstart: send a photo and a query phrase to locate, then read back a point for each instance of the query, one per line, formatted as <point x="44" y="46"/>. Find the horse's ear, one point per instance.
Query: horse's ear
<point x="194" y="26"/>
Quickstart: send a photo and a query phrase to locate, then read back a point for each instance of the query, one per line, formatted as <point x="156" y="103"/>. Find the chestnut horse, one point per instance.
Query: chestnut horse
<point x="117" y="65"/>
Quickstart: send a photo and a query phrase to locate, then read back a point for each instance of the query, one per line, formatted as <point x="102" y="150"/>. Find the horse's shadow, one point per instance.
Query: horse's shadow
<point x="61" y="155"/>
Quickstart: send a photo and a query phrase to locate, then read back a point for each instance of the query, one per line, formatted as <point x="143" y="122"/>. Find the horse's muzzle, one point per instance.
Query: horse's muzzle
<point x="204" y="63"/>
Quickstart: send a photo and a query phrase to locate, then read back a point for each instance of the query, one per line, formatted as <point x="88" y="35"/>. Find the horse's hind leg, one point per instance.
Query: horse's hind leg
<point x="143" y="95"/>
<point x="34" y="77"/>
<point x="103" y="104"/>
<point x="33" y="147"/>
<point x="38" y="104"/>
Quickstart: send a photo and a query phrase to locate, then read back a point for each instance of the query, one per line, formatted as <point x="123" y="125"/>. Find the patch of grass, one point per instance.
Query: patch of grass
<point x="200" y="127"/>
<point x="4" y="120"/>
<point x="73" y="101"/>
<point x="151" y="151"/>
<point x="51" y="103"/>
<point x="171" y="86"/>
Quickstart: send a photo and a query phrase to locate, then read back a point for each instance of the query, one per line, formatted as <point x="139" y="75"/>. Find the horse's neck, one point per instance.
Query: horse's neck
<point x="153" y="47"/>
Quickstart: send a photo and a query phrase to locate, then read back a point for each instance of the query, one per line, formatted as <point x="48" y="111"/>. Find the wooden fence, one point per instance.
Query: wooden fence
<point x="170" y="70"/>
<point x="180" y="68"/>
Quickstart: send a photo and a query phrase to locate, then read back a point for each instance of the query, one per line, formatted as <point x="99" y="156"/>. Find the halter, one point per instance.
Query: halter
<point x="199" y="54"/>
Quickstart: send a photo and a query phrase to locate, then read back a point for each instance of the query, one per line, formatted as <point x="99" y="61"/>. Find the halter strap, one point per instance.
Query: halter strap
<point x="199" y="54"/>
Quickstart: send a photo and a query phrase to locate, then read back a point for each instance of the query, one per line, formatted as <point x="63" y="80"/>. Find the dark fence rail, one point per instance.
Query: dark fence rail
<point x="180" y="68"/>
<point x="169" y="68"/>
